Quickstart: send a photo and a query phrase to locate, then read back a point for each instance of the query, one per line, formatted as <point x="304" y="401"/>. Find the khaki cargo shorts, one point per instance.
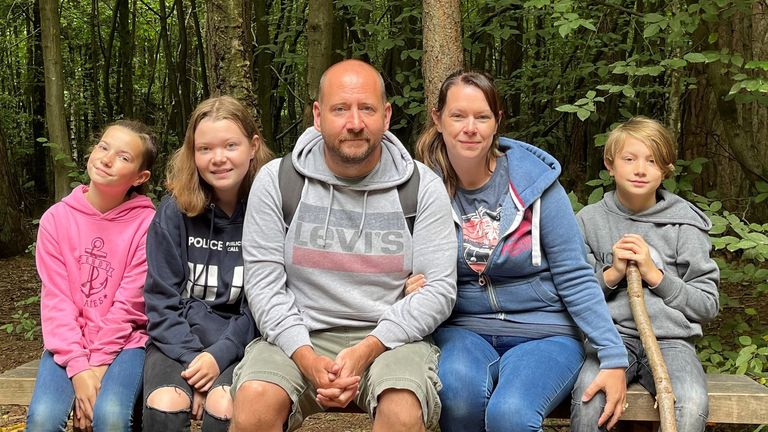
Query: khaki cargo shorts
<point x="411" y="367"/>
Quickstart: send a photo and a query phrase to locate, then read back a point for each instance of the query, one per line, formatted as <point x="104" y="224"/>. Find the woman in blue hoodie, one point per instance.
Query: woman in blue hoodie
<point x="511" y="350"/>
<point x="199" y="322"/>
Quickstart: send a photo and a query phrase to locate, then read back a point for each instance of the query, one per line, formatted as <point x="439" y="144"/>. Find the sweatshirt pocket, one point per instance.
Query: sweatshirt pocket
<point x="525" y="296"/>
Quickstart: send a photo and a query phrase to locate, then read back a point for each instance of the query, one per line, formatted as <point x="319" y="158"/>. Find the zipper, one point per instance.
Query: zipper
<point x="483" y="280"/>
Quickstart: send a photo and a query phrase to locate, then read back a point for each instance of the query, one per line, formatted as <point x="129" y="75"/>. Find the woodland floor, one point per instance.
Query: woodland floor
<point x="19" y="281"/>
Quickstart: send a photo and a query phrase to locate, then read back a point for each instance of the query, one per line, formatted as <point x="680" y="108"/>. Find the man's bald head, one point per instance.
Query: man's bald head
<point x="346" y="67"/>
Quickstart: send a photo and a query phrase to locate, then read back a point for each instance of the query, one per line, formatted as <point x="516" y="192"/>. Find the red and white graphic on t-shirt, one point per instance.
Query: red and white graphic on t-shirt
<point x="480" y="231"/>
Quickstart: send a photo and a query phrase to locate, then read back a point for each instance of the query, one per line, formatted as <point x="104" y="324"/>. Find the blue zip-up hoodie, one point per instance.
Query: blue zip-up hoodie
<point x="537" y="282"/>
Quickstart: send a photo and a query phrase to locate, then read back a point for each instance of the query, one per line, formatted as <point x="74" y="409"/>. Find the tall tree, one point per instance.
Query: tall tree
<point x="230" y="49"/>
<point x="14" y="236"/>
<point x="54" y="95"/>
<point x="319" y="39"/>
<point x="36" y="88"/>
<point x="443" y="51"/>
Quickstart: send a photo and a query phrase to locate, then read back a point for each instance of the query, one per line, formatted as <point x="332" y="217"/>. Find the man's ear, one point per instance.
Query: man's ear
<point x="316" y="115"/>
<point x="388" y="114"/>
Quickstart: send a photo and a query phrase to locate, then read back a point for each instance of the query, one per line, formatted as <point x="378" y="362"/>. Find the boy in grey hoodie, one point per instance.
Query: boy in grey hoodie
<point x="667" y="237"/>
<point x="326" y="292"/>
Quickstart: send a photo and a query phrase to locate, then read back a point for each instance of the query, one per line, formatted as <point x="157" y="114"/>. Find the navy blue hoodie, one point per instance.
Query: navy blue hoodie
<point x="194" y="291"/>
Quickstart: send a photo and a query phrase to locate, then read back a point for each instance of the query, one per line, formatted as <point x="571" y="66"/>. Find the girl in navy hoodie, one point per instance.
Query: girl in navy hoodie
<point x="511" y="350"/>
<point x="199" y="322"/>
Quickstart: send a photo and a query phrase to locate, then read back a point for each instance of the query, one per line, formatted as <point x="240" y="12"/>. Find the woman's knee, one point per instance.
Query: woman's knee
<point x="42" y="417"/>
<point x="512" y="413"/>
<point x="169" y="399"/>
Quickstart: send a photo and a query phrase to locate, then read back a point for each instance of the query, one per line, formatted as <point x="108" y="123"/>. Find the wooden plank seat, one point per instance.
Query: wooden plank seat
<point x="733" y="399"/>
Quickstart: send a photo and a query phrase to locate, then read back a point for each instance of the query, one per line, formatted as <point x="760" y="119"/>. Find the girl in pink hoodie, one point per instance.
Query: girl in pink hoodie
<point x="92" y="263"/>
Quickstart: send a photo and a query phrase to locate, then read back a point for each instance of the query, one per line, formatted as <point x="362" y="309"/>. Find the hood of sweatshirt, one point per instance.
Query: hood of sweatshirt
<point x="669" y="209"/>
<point x="122" y="213"/>
<point x="531" y="170"/>
<point x="394" y="168"/>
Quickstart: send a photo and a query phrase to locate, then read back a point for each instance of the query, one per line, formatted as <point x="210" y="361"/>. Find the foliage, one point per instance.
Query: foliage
<point x="21" y="322"/>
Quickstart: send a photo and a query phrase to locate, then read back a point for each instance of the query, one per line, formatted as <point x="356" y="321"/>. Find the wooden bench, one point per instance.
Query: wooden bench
<point x="733" y="399"/>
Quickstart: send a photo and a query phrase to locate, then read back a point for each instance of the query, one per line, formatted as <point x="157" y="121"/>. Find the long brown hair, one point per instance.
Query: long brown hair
<point x="430" y="146"/>
<point x="192" y="193"/>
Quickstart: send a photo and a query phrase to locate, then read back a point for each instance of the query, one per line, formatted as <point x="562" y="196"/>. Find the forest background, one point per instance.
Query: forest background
<point x="568" y="72"/>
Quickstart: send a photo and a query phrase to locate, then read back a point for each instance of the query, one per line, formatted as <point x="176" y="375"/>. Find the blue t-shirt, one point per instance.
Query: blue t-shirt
<point x="480" y="213"/>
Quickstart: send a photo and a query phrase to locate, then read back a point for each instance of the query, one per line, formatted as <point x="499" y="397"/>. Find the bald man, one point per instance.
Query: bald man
<point x="327" y="291"/>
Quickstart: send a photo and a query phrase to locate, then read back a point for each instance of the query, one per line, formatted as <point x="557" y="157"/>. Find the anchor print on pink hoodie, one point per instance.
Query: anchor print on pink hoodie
<point x="92" y="266"/>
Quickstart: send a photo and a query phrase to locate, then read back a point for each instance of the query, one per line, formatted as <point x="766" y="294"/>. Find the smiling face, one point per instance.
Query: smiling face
<point x="636" y="173"/>
<point x="352" y="115"/>
<point x="467" y="124"/>
<point x="115" y="163"/>
<point x="223" y="156"/>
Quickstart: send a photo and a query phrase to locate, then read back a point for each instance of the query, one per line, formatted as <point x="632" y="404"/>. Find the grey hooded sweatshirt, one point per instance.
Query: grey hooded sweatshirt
<point x="676" y="233"/>
<point x="346" y="256"/>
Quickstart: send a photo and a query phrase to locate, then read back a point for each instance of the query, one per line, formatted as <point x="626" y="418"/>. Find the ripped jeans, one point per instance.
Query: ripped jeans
<point x="161" y="371"/>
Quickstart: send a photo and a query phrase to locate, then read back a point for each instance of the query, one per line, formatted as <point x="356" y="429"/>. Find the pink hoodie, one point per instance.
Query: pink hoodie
<point x="93" y="268"/>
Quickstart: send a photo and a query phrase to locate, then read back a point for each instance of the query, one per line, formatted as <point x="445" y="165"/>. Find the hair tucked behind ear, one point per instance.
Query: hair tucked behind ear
<point x="192" y="193"/>
<point x="430" y="146"/>
<point x="149" y="146"/>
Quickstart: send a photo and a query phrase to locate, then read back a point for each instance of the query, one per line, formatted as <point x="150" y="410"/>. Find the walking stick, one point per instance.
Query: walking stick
<point x="665" y="398"/>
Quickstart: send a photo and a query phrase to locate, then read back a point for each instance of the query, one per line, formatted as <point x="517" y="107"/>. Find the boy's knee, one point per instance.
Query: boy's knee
<point x="169" y="399"/>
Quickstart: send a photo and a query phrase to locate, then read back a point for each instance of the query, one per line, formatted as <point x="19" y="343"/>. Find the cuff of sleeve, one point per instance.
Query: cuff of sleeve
<point x="390" y="334"/>
<point x="613" y="357"/>
<point x="601" y="280"/>
<point x="101" y="359"/>
<point x="224" y="352"/>
<point x="292" y="338"/>
<point x="187" y="357"/>
<point x="667" y="288"/>
<point x="77" y="365"/>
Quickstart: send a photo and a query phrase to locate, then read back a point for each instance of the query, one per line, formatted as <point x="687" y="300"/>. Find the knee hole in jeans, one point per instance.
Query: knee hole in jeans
<point x="218" y="403"/>
<point x="169" y="399"/>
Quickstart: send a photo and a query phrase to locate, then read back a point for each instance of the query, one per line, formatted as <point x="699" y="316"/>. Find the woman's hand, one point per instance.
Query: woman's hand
<point x="613" y="382"/>
<point x="202" y="371"/>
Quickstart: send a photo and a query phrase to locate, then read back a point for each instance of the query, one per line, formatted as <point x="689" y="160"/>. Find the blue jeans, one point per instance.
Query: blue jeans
<point x="54" y="394"/>
<point x="689" y="383"/>
<point x="503" y="383"/>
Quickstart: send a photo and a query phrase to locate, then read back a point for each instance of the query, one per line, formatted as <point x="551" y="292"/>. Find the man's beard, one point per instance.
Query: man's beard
<point x="352" y="158"/>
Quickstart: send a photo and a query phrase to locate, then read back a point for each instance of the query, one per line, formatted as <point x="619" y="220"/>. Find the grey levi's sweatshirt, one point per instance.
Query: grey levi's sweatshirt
<point x="676" y="233"/>
<point x="348" y="252"/>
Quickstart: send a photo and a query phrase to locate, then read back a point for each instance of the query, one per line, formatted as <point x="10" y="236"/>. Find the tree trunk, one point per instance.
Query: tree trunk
<point x="54" y="95"/>
<point x="731" y="134"/>
<point x="185" y="96"/>
<point x="319" y="48"/>
<point x="14" y="236"/>
<point x="230" y="50"/>
<point x="37" y="95"/>
<point x="443" y="50"/>
<point x="200" y="48"/>
<point x="174" y="110"/>
<point x="263" y="72"/>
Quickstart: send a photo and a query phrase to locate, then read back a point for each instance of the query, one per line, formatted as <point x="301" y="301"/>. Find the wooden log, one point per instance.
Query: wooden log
<point x="665" y="398"/>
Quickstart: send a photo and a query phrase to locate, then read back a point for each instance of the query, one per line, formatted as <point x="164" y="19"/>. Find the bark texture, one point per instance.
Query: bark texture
<point x="443" y="50"/>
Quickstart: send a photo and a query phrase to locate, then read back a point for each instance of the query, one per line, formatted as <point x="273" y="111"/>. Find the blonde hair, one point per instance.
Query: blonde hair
<point x="191" y="192"/>
<point x="430" y="146"/>
<point x="650" y="132"/>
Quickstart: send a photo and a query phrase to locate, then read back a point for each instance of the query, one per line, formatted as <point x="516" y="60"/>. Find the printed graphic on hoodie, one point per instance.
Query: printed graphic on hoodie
<point x="480" y="230"/>
<point x="96" y="272"/>
<point x="338" y="240"/>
